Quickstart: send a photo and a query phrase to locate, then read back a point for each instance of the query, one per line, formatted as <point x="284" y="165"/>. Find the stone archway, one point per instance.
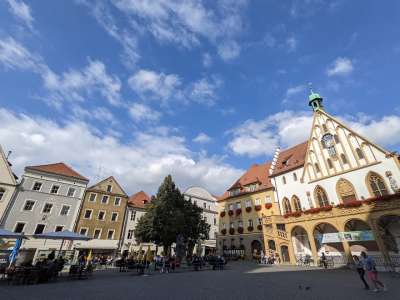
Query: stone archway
<point x="327" y="240"/>
<point x="389" y="231"/>
<point x="300" y="242"/>
<point x="361" y="238"/>
<point x="256" y="247"/>
<point x="285" y="254"/>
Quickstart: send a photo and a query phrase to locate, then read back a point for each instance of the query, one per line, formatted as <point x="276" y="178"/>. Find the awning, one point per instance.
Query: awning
<point x="7" y="234"/>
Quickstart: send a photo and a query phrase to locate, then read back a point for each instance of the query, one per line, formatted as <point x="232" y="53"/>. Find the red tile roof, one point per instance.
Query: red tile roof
<point x="290" y="159"/>
<point x="140" y="199"/>
<point x="59" y="169"/>
<point x="255" y="174"/>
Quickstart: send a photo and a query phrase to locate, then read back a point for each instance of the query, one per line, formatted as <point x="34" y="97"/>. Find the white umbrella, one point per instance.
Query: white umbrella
<point x="62" y="235"/>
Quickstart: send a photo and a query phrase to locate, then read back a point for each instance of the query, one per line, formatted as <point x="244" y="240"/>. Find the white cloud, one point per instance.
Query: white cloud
<point x="202" y="138"/>
<point x="204" y="91"/>
<point x="156" y="85"/>
<point x="21" y="11"/>
<point x="341" y="66"/>
<point x="229" y="50"/>
<point x="184" y="23"/>
<point x="207" y="60"/>
<point x="256" y="138"/>
<point x="74" y="84"/>
<point x="292" y="92"/>
<point x="140" y="112"/>
<point x="291" y="43"/>
<point x="140" y="162"/>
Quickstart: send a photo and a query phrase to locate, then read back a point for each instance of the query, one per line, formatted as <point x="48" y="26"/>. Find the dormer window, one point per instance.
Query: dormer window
<point x="234" y="192"/>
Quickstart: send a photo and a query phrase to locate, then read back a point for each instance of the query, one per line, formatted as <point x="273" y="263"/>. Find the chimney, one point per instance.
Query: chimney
<point x="274" y="160"/>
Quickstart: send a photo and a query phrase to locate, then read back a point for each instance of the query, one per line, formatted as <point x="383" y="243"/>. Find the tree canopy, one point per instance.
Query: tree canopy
<point x="168" y="215"/>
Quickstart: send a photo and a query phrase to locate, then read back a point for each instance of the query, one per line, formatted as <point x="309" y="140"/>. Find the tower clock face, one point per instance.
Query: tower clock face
<point x="327" y="140"/>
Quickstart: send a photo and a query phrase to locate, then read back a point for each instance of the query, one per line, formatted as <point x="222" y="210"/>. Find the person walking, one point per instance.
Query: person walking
<point x="360" y="271"/>
<point x="372" y="273"/>
<point x="323" y="260"/>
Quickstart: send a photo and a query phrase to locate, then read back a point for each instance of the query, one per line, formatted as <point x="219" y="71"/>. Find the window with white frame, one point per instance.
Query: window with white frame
<point x="37" y="186"/>
<point x="47" y="208"/>
<point x="250" y="223"/>
<point x="71" y="192"/>
<point x="257" y="201"/>
<point x="240" y="223"/>
<point x="268" y="199"/>
<point x="117" y="201"/>
<point x="59" y="228"/>
<point x="133" y="215"/>
<point x="238" y="205"/>
<point x="97" y="233"/>
<point x="248" y="203"/>
<point x="114" y="216"/>
<point x="130" y="234"/>
<point x="29" y="204"/>
<point x="104" y="199"/>
<point x="19" y="227"/>
<point x="204" y="205"/>
<point x="231" y="225"/>
<point x="101" y="216"/>
<point x="88" y="214"/>
<point x="92" y="197"/>
<point x="83" y="231"/>
<point x="259" y="221"/>
<point x="215" y="221"/>
<point x="110" y="234"/>
<point x="64" y="210"/>
<point x="54" y="189"/>
<point x="223" y="226"/>
<point x="231" y="206"/>
<point x="39" y="228"/>
<point x="294" y="176"/>
<point x="109" y="188"/>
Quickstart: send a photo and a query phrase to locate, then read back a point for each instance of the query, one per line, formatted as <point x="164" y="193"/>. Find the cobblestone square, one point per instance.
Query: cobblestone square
<point x="238" y="281"/>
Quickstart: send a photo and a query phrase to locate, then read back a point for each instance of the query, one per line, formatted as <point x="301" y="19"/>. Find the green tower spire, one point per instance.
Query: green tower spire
<point x="314" y="99"/>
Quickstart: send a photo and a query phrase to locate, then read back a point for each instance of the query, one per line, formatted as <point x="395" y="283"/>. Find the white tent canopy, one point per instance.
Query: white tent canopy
<point x="62" y="235"/>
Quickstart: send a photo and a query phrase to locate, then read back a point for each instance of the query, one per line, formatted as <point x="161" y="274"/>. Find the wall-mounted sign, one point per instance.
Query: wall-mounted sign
<point x="350" y="236"/>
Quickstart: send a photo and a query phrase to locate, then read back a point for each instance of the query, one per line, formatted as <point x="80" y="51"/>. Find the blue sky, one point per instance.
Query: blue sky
<point x="199" y="89"/>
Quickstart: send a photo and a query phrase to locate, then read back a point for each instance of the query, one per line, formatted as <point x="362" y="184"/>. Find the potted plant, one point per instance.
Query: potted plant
<point x="248" y="209"/>
<point x="268" y="205"/>
<point x="259" y="227"/>
<point x="223" y="231"/>
<point x="222" y="214"/>
<point x="238" y="211"/>
<point x="240" y="230"/>
<point x="231" y="231"/>
<point x="257" y="207"/>
<point x="230" y="212"/>
<point x="250" y="228"/>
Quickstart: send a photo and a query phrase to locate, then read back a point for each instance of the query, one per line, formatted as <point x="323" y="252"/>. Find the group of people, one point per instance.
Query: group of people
<point x="366" y="264"/>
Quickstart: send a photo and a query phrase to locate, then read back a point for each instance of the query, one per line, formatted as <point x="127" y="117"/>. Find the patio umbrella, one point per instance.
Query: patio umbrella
<point x="62" y="235"/>
<point x="15" y="250"/>
<point x="7" y="234"/>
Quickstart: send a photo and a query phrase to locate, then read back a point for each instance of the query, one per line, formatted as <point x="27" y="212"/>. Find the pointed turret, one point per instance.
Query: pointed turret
<point x="315" y="100"/>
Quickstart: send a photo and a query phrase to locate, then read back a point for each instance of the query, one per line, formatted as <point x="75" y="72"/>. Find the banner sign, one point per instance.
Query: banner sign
<point x="349" y="236"/>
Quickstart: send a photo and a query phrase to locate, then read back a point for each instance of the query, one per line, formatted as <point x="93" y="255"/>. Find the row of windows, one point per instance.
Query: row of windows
<point x="100" y="216"/>
<point x="250" y="223"/>
<point x="20" y="226"/>
<point x="343" y="159"/>
<point x="345" y="191"/>
<point x="248" y="203"/>
<point x="97" y="233"/>
<point x="47" y="207"/>
<point x="37" y="186"/>
<point x="104" y="199"/>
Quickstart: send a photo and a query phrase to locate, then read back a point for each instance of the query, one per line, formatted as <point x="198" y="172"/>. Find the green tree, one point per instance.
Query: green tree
<point x="169" y="215"/>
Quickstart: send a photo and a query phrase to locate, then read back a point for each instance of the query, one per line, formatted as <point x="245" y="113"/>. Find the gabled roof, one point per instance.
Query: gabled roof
<point x="110" y="178"/>
<point x="257" y="173"/>
<point x="290" y="159"/>
<point x="140" y="199"/>
<point x="12" y="177"/>
<point x="58" y="169"/>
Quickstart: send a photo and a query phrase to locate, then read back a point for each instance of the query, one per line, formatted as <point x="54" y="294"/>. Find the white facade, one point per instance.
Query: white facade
<point x="132" y="217"/>
<point x="34" y="207"/>
<point x="203" y="199"/>
<point x="7" y="185"/>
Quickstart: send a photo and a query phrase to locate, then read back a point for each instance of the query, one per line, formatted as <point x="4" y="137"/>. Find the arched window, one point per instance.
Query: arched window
<point x="321" y="197"/>
<point x="360" y="154"/>
<point x="294" y="176"/>
<point x="343" y="158"/>
<point x="284" y="179"/>
<point x="317" y="168"/>
<point x="2" y="192"/>
<point x="376" y="185"/>
<point x="345" y="190"/>
<point x="336" y="138"/>
<point x="324" y="127"/>
<point x="296" y="203"/>
<point x="286" y="206"/>
<point x="330" y="165"/>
